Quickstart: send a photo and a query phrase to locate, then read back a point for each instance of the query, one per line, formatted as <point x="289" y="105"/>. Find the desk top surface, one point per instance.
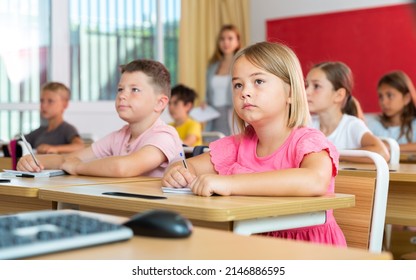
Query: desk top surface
<point x="409" y="157"/>
<point x="29" y="187"/>
<point x="403" y="172"/>
<point x="214" y="208"/>
<point x="209" y="244"/>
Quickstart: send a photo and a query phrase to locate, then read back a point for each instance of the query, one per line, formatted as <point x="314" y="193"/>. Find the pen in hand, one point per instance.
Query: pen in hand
<point x="29" y="149"/>
<point x="183" y="160"/>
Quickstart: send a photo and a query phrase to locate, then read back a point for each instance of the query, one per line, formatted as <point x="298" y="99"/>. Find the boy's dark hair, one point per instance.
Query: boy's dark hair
<point x="184" y="93"/>
<point x="55" y="86"/>
<point x="155" y="70"/>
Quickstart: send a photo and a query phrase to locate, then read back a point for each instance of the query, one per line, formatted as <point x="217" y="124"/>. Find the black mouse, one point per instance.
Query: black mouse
<point x="160" y="223"/>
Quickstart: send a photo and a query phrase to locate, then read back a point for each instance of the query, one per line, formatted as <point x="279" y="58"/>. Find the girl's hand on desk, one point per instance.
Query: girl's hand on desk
<point x="209" y="184"/>
<point x="177" y="177"/>
<point x="27" y="163"/>
<point x="70" y="164"/>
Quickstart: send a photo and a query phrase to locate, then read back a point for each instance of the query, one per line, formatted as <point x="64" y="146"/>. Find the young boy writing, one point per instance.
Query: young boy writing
<point x="180" y="104"/>
<point x="57" y="136"/>
<point x="145" y="146"/>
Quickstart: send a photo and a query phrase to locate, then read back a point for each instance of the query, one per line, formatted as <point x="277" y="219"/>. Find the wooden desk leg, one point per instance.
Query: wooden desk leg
<point x="248" y="227"/>
<point x="64" y="205"/>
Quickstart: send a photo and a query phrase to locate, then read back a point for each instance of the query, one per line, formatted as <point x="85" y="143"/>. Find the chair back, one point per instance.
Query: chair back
<point x="355" y="222"/>
<point x="194" y="151"/>
<point x="200" y="150"/>
<point x="88" y="138"/>
<point x="14" y="150"/>
<point x="363" y="224"/>
<point x="209" y="136"/>
<point x="394" y="149"/>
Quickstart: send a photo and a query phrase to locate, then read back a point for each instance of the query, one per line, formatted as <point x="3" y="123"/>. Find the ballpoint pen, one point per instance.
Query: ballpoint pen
<point x="23" y="175"/>
<point x="183" y="160"/>
<point x="29" y="149"/>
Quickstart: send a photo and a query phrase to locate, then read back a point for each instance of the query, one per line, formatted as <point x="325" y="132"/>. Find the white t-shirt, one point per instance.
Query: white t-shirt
<point x="220" y="84"/>
<point x="348" y="133"/>
<point x="379" y="130"/>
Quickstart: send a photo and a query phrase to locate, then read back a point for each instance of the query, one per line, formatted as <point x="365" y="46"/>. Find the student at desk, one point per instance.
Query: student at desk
<point x="276" y="154"/>
<point x="398" y="117"/>
<point x="145" y="146"/>
<point x="180" y="104"/>
<point x="57" y="136"/>
<point x="329" y="92"/>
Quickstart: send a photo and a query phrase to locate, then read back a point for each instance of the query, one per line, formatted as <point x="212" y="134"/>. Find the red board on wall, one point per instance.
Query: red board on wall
<point x="370" y="41"/>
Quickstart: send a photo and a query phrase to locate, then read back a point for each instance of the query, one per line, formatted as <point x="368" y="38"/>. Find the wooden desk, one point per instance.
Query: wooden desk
<point x="239" y="213"/>
<point x="5" y="163"/>
<point x="401" y="199"/>
<point x="210" y="244"/>
<point x="21" y="194"/>
<point x="408" y="157"/>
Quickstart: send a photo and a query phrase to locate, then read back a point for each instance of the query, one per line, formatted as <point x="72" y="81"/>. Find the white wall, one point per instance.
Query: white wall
<point x="262" y="10"/>
<point x="97" y="119"/>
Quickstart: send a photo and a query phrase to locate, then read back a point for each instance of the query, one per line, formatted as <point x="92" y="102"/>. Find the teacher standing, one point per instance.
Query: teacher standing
<point x="218" y="80"/>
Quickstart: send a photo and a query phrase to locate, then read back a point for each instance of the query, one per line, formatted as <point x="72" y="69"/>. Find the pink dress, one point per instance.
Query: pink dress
<point x="162" y="136"/>
<point x="229" y="156"/>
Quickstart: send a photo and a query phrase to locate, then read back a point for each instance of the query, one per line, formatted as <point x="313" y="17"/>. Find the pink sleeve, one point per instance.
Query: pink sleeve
<point x="104" y="146"/>
<point x="166" y="139"/>
<point x="313" y="142"/>
<point x="224" y="153"/>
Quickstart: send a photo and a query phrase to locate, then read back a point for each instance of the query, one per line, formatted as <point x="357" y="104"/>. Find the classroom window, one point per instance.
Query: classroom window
<point x="103" y="34"/>
<point x="24" y="60"/>
<point x="107" y="34"/>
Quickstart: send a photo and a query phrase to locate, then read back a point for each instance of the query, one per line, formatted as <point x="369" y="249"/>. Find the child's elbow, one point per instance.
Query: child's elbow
<point x="322" y="182"/>
<point x="321" y="189"/>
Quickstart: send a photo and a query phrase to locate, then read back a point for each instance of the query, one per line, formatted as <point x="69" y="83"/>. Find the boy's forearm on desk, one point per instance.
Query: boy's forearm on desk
<point x="91" y="168"/>
<point x="51" y="161"/>
<point x="114" y="166"/>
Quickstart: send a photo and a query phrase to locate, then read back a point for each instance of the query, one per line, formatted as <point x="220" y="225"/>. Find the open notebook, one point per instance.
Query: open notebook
<point x="43" y="173"/>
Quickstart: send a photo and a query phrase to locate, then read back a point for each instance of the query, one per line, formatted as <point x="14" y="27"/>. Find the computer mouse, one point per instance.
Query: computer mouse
<point x="160" y="223"/>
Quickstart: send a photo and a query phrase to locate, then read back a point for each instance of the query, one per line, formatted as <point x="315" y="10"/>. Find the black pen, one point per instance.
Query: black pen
<point x="183" y="160"/>
<point x="4" y="181"/>
<point x="25" y="175"/>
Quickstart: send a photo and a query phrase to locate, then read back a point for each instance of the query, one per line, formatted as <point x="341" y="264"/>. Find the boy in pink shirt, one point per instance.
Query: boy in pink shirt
<point x="145" y="146"/>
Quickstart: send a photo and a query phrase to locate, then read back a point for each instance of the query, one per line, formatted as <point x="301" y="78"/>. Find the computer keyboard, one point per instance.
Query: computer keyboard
<point x="40" y="232"/>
